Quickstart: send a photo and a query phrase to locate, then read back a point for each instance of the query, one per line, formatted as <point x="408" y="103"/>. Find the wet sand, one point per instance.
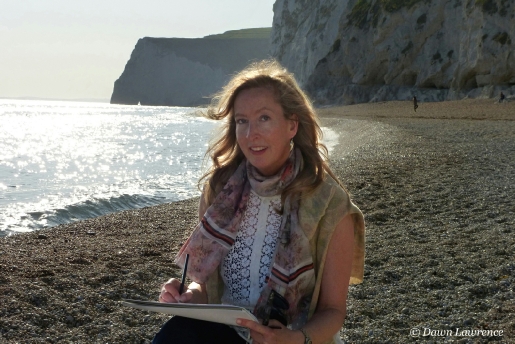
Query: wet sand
<point x="436" y="188"/>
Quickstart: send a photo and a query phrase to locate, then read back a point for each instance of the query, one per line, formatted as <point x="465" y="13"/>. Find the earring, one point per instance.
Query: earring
<point x="292" y="144"/>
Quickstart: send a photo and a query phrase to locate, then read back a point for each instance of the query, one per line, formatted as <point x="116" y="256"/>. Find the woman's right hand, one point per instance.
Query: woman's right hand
<point x="170" y="292"/>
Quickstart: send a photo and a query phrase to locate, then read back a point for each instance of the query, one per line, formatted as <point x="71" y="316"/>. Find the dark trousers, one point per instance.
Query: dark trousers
<point x="180" y="330"/>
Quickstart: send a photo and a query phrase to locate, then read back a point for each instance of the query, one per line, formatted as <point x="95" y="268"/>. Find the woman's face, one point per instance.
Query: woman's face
<point x="262" y="131"/>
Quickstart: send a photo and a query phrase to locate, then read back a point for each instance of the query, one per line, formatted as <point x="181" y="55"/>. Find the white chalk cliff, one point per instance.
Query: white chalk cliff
<point x="352" y="51"/>
<point x="186" y="72"/>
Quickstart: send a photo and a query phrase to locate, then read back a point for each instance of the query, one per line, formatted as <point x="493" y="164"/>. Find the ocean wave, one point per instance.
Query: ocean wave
<point x="88" y="209"/>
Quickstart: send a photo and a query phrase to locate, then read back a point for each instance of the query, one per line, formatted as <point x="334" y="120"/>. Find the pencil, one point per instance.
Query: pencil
<point x="183" y="279"/>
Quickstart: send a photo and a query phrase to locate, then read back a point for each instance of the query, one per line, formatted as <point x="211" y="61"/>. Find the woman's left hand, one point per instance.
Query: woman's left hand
<point x="274" y="333"/>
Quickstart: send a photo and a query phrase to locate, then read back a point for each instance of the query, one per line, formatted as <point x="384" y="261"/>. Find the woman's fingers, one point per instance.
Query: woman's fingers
<point x="186" y="296"/>
<point x="250" y="324"/>
<point x="261" y="333"/>
<point x="170" y="292"/>
<point x="256" y="329"/>
<point x="172" y="287"/>
<point x="166" y="297"/>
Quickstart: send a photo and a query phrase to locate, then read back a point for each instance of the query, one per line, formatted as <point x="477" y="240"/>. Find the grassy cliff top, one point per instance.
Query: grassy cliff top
<point x="261" y="32"/>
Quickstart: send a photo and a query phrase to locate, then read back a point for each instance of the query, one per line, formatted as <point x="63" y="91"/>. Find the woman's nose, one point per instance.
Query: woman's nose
<point x="251" y="129"/>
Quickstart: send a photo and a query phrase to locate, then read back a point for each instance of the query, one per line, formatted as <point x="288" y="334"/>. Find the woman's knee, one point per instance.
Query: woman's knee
<point x="176" y="330"/>
<point x="193" y="331"/>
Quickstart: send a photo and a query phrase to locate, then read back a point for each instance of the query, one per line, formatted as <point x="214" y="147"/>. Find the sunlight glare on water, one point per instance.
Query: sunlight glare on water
<point x="61" y="161"/>
<point x="66" y="161"/>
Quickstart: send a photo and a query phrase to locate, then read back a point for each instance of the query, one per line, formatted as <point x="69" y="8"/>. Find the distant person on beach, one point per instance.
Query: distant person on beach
<point x="415" y="103"/>
<point x="278" y="233"/>
<point x="501" y="98"/>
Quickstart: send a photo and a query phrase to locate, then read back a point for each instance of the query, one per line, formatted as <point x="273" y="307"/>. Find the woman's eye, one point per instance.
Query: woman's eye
<point x="265" y="118"/>
<point x="241" y="121"/>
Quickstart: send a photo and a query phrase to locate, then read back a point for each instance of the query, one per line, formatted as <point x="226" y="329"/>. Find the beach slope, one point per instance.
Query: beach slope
<point x="436" y="188"/>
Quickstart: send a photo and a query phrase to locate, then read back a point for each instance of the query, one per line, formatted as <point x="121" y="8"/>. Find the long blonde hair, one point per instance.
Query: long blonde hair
<point x="224" y="151"/>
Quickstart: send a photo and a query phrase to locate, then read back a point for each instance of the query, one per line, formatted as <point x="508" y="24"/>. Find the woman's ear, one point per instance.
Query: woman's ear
<point x="294" y="124"/>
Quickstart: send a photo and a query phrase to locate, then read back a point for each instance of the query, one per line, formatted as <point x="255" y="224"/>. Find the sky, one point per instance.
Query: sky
<point x="75" y="50"/>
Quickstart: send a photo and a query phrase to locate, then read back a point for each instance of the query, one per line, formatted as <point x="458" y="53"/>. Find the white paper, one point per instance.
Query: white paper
<point x="224" y="314"/>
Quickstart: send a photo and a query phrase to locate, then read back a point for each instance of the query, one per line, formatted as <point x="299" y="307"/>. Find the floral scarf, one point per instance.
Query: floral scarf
<point x="292" y="272"/>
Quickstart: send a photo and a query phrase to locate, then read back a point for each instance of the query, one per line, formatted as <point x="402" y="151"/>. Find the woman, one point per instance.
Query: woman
<point x="273" y="219"/>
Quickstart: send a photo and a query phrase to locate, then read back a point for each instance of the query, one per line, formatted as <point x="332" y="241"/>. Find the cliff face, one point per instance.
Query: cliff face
<point x="185" y="72"/>
<point x="354" y="51"/>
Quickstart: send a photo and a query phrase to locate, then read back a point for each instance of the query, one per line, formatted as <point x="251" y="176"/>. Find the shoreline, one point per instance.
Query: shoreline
<point x="439" y="252"/>
<point x="467" y="109"/>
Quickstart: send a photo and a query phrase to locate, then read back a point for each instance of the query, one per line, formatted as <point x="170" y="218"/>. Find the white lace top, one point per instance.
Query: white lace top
<point x="249" y="261"/>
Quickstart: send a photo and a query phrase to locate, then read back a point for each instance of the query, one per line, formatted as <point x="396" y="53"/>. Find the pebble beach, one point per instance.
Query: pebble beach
<point x="437" y="190"/>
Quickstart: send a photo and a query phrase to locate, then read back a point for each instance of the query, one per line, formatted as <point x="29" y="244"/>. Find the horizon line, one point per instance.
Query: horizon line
<point x="87" y="100"/>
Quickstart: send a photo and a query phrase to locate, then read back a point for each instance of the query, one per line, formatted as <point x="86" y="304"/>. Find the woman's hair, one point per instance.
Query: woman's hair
<point x="224" y="150"/>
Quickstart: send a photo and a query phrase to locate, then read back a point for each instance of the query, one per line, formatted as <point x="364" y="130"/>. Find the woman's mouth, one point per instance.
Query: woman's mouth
<point x="257" y="150"/>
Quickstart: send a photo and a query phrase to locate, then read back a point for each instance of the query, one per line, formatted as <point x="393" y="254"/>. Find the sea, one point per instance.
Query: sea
<point x="63" y="161"/>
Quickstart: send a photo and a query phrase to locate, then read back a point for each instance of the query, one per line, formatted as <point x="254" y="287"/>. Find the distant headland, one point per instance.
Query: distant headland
<point x="187" y="71"/>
